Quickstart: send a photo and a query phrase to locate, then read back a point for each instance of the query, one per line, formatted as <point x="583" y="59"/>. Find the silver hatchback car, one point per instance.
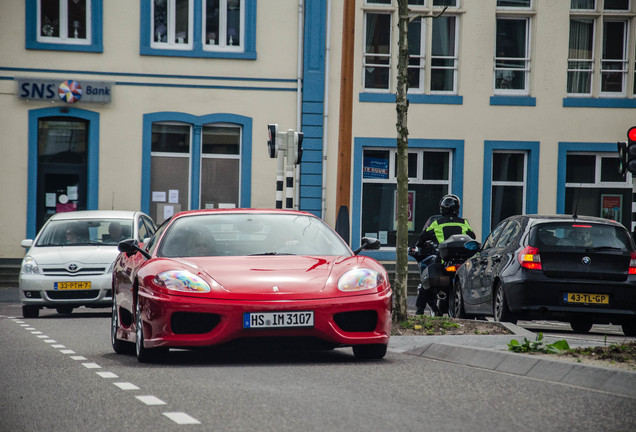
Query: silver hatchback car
<point x="70" y="262"/>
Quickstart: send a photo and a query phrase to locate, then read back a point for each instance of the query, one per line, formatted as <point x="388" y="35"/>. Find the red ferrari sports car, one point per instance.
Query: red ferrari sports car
<point x="209" y="277"/>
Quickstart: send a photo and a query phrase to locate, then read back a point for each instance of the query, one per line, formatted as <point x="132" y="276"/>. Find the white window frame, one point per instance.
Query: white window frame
<point x="454" y="58"/>
<point x="179" y="155"/>
<point x="627" y="183"/>
<point x="599" y="17"/>
<point x="64" y="37"/>
<point x="365" y="54"/>
<point x="222" y="45"/>
<point x="526" y="60"/>
<point x="523" y="183"/>
<point x="623" y="63"/>
<point x="171" y="40"/>
<point x="222" y="156"/>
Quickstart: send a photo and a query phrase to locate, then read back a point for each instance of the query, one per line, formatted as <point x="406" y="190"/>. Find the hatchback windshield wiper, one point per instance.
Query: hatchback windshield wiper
<point x="600" y="248"/>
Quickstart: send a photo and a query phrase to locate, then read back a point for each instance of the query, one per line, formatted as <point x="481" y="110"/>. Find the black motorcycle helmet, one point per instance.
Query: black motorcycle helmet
<point x="449" y="205"/>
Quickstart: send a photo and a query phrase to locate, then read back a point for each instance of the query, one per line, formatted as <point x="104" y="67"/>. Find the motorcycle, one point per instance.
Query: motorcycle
<point x="438" y="265"/>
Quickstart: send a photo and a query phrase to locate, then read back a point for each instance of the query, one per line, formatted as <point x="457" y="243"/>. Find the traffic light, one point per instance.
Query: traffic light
<point x="297" y="147"/>
<point x="630" y="160"/>
<point x="272" y="148"/>
<point x="622" y="157"/>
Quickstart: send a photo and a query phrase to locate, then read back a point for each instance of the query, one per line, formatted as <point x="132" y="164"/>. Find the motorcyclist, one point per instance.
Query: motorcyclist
<point x="437" y="229"/>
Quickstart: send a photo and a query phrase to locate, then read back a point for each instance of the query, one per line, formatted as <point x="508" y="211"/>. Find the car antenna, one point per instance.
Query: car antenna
<point x="576" y="200"/>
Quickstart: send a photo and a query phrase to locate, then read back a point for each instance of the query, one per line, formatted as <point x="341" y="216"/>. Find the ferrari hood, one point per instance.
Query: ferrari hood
<point x="80" y="254"/>
<point x="264" y="275"/>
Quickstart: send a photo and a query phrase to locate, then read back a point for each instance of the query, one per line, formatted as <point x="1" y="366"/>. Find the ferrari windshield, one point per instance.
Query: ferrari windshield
<point x="234" y="234"/>
<point x="81" y="232"/>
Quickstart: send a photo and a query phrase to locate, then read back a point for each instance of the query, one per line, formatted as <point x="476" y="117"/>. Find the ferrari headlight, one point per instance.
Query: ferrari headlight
<point x="29" y="266"/>
<point x="359" y="280"/>
<point x="181" y="280"/>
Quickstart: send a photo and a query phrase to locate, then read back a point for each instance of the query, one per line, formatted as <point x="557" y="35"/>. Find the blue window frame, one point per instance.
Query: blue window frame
<point x="197" y="123"/>
<point x="194" y="28"/>
<point x="92" y="177"/>
<point x="69" y="26"/>
<point x="531" y="149"/>
<point x="456" y="147"/>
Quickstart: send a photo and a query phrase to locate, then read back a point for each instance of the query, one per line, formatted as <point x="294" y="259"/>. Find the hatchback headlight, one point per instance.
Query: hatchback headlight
<point x="181" y="280"/>
<point x="359" y="280"/>
<point x="29" y="266"/>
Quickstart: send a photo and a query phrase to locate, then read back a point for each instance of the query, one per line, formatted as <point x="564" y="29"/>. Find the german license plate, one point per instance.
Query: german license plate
<point x="269" y="320"/>
<point x="586" y="298"/>
<point x="72" y="285"/>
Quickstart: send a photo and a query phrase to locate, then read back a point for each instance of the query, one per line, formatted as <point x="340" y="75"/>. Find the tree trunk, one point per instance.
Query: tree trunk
<point x="402" y="106"/>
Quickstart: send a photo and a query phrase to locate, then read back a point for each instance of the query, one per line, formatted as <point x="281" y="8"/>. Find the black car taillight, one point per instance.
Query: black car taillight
<point x="529" y="258"/>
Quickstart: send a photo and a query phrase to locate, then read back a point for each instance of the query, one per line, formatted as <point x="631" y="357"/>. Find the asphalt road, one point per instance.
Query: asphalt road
<point x="59" y="373"/>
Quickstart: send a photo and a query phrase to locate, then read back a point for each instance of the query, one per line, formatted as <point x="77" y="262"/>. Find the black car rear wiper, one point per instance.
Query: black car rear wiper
<point x="600" y="248"/>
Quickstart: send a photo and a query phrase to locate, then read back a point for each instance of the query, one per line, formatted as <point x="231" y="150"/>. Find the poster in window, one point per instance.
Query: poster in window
<point x="411" y="210"/>
<point x="375" y="168"/>
<point x="611" y="206"/>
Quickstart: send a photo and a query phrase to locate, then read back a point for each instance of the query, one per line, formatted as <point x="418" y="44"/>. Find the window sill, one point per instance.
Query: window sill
<point x="413" y="98"/>
<point x="243" y="55"/>
<point x="513" y="101"/>
<point x="97" y="48"/>
<point x="574" y="102"/>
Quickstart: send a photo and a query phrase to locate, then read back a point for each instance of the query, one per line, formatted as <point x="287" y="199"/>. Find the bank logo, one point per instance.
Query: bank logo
<point x="70" y="91"/>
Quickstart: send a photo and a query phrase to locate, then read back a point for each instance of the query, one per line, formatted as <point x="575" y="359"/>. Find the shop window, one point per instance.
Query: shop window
<point x="593" y="187"/>
<point x="429" y="180"/>
<point x="199" y="28"/>
<point x="192" y="162"/>
<point x="220" y="166"/>
<point x="64" y="25"/>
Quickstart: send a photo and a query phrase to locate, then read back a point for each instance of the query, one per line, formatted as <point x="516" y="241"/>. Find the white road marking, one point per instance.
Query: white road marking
<point x="58" y="346"/>
<point x="107" y="375"/>
<point x="78" y="357"/>
<point x="126" y="386"/>
<point x="50" y="341"/>
<point x="28" y="327"/>
<point x="25" y="325"/>
<point x="67" y="351"/>
<point x="91" y="366"/>
<point x="150" y="400"/>
<point x="43" y="336"/>
<point x="36" y="332"/>
<point x="181" y="418"/>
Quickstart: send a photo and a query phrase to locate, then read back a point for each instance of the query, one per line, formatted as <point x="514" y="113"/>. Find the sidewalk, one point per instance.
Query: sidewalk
<point x="491" y="353"/>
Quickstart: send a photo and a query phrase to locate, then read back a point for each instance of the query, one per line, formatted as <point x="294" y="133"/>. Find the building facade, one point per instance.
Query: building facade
<point x="163" y="105"/>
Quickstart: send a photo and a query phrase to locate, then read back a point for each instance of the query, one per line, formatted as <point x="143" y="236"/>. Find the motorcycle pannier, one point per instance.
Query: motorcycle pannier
<point x="436" y="276"/>
<point x="454" y="247"/>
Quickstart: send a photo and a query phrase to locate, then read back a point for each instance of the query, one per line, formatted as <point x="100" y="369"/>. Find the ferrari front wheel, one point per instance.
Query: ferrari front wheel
<point x="144" y="355"/>
<point x="119" y="346"/>
<point x="369" y="352"/>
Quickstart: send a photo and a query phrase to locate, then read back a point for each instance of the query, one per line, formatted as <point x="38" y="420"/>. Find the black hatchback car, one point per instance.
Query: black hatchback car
<point x="576" y="269"/>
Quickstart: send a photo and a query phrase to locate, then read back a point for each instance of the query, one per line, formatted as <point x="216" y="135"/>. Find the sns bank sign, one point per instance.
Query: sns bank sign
<point x="68" y="91"/>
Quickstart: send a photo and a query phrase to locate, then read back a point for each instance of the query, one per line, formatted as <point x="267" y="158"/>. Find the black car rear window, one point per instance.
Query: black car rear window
<point x="579" y="234"/>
